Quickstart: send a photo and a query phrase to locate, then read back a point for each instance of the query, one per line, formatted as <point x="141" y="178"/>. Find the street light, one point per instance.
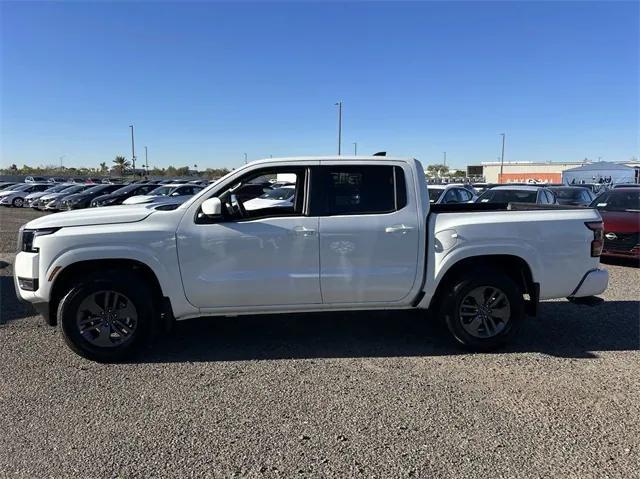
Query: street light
<point x="133" y="152"/>
<point x="245" y="158"/>
<point x="146" y="160"/>
<point x="502" y="158"/>
<point x="355" y="148"/>
<point x="339" y="105"/>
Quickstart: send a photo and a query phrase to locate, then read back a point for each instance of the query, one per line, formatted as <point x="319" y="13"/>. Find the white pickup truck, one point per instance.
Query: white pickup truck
<point x="359" y="234"/>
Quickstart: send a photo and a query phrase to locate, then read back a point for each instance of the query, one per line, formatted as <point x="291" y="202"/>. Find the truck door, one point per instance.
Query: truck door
<point x="264" y="251"/>
<point x="369" y="231"/>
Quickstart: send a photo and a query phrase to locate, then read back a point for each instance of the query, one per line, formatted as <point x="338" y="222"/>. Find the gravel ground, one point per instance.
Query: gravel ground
<point x="378" y="395"/>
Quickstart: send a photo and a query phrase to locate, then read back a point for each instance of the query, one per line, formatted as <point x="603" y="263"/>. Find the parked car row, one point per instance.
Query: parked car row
<point x="54" y="196"/>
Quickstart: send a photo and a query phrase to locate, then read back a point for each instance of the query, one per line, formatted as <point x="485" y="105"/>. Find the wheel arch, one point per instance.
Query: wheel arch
<point x="68" y="275"/>
<point x="515" y="267"/>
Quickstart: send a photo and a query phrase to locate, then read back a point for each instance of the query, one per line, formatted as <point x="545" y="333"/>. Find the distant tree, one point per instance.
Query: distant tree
<point x="121" y="164"/>
<point x="459" y="174"/>
<point x="14" y="167"/>
<point x="103" y="167"/>
<point x="437" y="170"/>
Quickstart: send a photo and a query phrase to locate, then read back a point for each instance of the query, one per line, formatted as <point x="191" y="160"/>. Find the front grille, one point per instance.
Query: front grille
<point x="623" y="242"/>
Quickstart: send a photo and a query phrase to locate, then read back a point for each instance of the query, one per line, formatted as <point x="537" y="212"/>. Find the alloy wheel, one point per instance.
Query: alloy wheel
<point x="485" y="311"/>
<point x="107" y="319"/>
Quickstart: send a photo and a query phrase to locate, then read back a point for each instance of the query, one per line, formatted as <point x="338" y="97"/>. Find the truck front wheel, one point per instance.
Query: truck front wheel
<point x="483" y="310"/>
<point x="107" y="316"/>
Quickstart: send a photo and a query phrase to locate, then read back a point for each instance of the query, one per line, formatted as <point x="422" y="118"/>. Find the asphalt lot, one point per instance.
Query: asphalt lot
<point x="357" y="395"/>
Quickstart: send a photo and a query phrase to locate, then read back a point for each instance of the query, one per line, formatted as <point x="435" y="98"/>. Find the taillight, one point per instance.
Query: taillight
<point x="598" y="237"/>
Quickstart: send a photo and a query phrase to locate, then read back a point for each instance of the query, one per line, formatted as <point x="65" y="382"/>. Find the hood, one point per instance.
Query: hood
<point x="53" y="196"/>
<point x="10" y="192"/>
<point x="621" y="221"/>
<point x="92" y="216"/>
<point x="138" y="199"/>
<point x="75" y="196"/>
<point x="33" y="196"/>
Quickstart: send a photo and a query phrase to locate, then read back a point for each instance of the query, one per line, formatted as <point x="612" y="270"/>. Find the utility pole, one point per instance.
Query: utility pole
<point x="133" y="152"/>
<point x="146" y="160"/>
<point x="339" y="105"/>
<point x="502" y="158"/>
<point x="355" y="148"/>
<point x="61" y="158"/>
<point x="245" y="158"/>
<point x="445" y="158"/>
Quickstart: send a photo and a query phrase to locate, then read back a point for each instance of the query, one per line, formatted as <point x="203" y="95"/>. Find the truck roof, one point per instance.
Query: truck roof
<point x="338" y="158"/>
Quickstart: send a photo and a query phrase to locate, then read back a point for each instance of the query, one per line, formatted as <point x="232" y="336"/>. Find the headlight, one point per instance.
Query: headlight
<point x="26" y="238"/>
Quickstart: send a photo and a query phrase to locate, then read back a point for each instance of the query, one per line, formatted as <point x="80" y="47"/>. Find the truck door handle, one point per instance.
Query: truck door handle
<point x="398" y="229"/>
<point x="304" y="231"/>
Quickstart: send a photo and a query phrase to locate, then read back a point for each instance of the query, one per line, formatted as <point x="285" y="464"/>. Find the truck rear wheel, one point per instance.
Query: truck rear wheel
<point x="107" y="317"/>
<point x="483" y="311"/>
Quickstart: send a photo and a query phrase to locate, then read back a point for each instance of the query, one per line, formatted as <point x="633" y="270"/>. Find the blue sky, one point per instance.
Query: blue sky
<point x="206" y="82"/>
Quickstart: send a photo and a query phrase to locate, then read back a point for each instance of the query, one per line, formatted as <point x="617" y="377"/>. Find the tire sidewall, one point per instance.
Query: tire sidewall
<point x="16" y="201"/>
<point x="136" y="291"/>
<point x="461" y="288"/>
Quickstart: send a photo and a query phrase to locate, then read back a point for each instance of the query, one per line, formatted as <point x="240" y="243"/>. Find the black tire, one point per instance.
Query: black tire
<point x="17" y="202"/>
<point x="461" y="289"/>
<point x="136" y="292"/>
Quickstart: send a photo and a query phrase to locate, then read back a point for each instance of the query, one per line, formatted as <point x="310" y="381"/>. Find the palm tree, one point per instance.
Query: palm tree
<point x="121" y="164"/>
<point x="103" y="167"/>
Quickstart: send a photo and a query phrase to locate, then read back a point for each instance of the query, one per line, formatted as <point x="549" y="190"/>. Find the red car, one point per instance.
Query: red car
<point x="620" y="210"/>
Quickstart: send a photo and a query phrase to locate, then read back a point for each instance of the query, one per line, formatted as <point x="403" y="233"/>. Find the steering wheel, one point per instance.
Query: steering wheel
<point x="237" y="208"/>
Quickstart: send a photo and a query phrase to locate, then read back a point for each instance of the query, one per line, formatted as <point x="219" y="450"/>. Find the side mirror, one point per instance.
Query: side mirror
<point x="212" y="207"/>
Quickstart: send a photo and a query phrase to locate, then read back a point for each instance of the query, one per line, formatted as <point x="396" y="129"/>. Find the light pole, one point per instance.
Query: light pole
<point x="355" y="148"/>
<point x="133" y="152"/>
<point x="502" y="158"/>
<point x="445" y="158"/>
<point x="62" y="158"/>
<point x="339" y="105"/>
<point x="146" y="160"/>
<point x="245" y="158"/>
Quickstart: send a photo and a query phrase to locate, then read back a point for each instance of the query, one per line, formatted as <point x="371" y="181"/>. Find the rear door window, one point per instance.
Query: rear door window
<point x="353" y="190"/>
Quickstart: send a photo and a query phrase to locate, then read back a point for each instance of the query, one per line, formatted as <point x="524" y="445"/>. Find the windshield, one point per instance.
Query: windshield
<point x="278" y="194"/>
<point x="434" y="194"/>
<point x="161" y="191"/>
<point x="126" y="188"/>
<point x="95" y="189"/>
<point x="72" y="189"/>
<point x="57" y="188"/>
<point x="618" y="200"/>
<point x="508" y="196"/>
<point x="568" y="193"/>
<point x="20" y="187"/>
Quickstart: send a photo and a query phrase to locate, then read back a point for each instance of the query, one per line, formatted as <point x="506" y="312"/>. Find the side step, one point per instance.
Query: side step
<point x="587" y="300"/>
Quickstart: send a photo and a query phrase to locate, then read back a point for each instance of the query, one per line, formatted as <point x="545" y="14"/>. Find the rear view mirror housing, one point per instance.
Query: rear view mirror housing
<point x="212" y="207"/>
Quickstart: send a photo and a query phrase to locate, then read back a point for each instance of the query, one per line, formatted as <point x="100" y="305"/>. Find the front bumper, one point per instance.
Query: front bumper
<point x="27" y="265"/>
<point x="593" y="282"/>
<point x="633" y="253"/>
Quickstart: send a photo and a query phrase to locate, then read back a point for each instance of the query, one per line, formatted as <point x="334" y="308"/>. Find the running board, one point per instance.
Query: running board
<point x="587" y="300"/>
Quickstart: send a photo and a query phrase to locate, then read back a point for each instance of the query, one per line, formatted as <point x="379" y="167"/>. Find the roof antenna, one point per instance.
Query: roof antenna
<point x="380" y="153"/>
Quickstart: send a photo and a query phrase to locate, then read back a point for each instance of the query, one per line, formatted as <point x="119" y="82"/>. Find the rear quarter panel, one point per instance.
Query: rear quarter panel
<point x="554" y="243"/>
